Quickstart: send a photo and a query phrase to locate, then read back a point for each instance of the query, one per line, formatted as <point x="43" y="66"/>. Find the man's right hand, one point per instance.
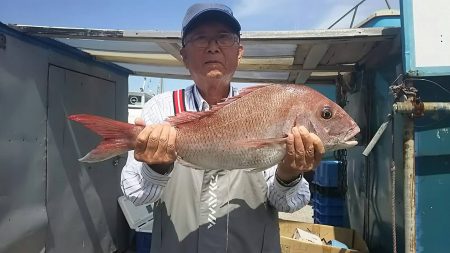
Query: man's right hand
<point x="155" y="145"/>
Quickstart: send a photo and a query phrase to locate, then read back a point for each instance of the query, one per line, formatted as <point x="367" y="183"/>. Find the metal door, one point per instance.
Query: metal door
<point x="81" y="198"/>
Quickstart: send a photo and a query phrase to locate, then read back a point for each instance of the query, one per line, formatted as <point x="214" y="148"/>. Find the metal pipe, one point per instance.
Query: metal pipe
<point x="410" y="186"/>
<point x="410" y="107"/>
<point x="354" y="7"/>
<point x="413" y="107"/>
<point x="353" y="18"/>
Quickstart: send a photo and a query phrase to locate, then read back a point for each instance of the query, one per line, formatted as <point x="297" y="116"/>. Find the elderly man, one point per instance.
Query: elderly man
<point x="209" y="210"/>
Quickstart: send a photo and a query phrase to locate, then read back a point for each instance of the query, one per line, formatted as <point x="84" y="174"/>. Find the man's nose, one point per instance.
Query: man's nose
<point x="213" y="45"/>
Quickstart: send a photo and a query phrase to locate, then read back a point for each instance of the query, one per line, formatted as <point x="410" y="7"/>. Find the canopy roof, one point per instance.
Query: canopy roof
<point x="311" y="56"/>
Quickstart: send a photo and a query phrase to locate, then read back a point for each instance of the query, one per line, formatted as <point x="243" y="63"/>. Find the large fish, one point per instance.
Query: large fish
<point x="245" y="131"/>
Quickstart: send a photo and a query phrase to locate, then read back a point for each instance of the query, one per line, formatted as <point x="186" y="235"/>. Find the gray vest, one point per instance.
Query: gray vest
<point x="208" y="211"/>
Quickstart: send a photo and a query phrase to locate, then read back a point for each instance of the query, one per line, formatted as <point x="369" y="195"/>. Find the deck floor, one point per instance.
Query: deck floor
<point x="304" y="215"/>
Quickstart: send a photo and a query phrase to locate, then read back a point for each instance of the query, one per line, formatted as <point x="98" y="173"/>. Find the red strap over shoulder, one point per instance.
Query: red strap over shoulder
<point x="179" y="101"/>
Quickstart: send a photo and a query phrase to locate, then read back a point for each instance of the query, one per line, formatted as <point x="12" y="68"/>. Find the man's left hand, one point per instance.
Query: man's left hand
<point x="304" y="151"/>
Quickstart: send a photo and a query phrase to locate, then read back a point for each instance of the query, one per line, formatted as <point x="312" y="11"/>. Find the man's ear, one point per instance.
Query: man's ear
<point x="240" y="52"/>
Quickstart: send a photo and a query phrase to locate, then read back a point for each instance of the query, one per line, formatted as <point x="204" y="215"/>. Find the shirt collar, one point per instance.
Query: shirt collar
<point x="201" y="102"/>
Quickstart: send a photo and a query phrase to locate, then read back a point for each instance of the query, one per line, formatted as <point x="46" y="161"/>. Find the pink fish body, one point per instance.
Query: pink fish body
<point x="245" y="131"/>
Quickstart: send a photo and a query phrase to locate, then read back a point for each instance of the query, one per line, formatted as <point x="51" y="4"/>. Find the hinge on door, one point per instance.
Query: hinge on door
<point x="2" y="41"/>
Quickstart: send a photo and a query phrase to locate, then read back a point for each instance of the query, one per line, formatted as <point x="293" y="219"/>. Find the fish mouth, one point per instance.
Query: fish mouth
<point x="347" y="142"/>
<point x="350" y="143"/>
<point x="350" y="137"/>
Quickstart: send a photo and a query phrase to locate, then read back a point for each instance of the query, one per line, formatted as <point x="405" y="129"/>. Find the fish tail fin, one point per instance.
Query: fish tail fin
<point x="117" y="136"/>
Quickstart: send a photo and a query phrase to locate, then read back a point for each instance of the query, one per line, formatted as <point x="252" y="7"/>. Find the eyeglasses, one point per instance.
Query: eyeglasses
<point x="222" y="39"/>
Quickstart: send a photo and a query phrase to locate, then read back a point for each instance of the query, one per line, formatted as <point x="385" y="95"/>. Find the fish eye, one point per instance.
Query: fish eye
<point x="326" y="113"/>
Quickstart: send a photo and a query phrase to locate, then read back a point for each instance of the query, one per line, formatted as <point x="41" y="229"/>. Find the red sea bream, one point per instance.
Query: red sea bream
<point x="245" y="131"/>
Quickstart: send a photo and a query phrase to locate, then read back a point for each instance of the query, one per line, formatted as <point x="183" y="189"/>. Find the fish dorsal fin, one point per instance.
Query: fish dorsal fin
<point x="243" y="92"/>
<point x="186" y="117"/>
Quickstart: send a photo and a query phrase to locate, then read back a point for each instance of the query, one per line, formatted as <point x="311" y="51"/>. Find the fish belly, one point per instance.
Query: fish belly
<point x="230" y="159"/>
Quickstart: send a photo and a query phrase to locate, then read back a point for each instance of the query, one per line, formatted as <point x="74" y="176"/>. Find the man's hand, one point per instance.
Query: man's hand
<point x="304" y="150"/>
<point x="155" y="145"/>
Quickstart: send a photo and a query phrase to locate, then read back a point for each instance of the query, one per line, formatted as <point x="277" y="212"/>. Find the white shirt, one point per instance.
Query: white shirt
<point x="142" y="185"/>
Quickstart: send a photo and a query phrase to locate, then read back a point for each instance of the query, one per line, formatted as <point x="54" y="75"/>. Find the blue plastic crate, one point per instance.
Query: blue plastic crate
<point x="143" y="242"/>
<point x="327" y="173"/>
<point x="332" y="220"/>
<point x="324" y="200"/>
<point x="328" y="210"/>
<point x="328" y="205"/>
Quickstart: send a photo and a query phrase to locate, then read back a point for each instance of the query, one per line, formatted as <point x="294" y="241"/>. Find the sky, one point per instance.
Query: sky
<point x="167" y="15"/>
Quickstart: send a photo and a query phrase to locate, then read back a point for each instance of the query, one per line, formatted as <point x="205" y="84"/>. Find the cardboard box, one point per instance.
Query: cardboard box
<point x="302" y="235"/>
<point x="344" y="235"/>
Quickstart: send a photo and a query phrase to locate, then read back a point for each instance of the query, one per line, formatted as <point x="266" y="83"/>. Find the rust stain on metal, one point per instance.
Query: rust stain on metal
<point x="410" y="190"/>
<point x="418" y="106"/>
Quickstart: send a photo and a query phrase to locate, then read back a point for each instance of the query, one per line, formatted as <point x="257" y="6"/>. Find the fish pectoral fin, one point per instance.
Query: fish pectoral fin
<point x="260" y="143"/>
<point x="311" y="128"/>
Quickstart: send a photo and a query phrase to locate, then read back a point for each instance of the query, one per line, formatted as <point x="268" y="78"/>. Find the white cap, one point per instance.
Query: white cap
<point x="210" y="11"/>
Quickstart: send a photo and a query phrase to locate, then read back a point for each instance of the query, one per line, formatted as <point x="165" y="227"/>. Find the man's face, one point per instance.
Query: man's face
<point x="211" y="59"/>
